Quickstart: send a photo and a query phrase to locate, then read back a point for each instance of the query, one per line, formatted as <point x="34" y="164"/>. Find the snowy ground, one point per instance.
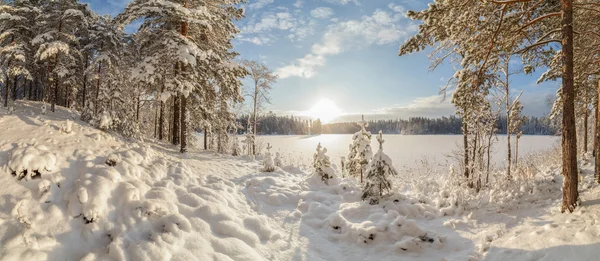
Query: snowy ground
<point x="83" y="194"/>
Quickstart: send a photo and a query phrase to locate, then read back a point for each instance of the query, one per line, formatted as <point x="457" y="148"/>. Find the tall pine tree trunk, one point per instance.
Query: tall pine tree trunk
<point x="84" y="91"/>
<point x="176" y="114"/>
<point x="56" y="61"/>
<point x="161" y="115"/>
<point x="15" y="85"/>
<point x="597" y="143"/>
<point x="585" y="122"/>
<point x="6" y="89"/>
<point x="569" y="135"/>
<point x="98" y="83"/>
<point x="30" y="90"/>
<point x="466" y="147"/>
<point x="182" y="97"/>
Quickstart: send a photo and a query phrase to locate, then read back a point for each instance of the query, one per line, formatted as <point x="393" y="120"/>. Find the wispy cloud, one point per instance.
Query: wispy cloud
<point x="381" y="28"/>
<point x="260" y="4"/>
<point x="322" y="12"/>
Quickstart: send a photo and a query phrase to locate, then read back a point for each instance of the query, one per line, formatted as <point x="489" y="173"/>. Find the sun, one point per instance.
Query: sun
<point x="325" y="110"/>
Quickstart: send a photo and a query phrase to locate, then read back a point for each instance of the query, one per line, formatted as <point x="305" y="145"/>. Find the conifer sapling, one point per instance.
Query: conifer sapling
<point x="378" y="175"/>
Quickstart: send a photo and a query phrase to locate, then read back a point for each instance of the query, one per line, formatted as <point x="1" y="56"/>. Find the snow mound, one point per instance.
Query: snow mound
<point x="29" y="161"/>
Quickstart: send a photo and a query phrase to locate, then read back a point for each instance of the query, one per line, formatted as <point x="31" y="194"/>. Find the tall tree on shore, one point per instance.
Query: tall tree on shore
<point x="263" y="78"/>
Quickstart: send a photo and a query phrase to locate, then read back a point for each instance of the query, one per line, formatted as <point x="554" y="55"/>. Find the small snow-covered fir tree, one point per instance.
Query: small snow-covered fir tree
<point x="268" y="165"/>
<point x="360" y="151"/>
<point x="322" y="164"/>
<point x="378" y="175"/>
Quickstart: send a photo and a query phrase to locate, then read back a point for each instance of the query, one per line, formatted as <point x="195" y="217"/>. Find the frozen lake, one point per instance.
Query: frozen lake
<point x="407" y="151"/>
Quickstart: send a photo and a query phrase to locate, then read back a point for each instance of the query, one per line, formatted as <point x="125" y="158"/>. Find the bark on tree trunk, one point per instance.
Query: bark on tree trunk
<point x="161" y="117"/>
<point x="182" y="97"/>
<point x="569" y="135"/>
<point x="205" y="139"/>
<point x="183" y="124"/>
<point x="585" y="127"/>
<point x="15" y="85"/>
<point x="176" y="113"/>
<point x="56" y="60"/>
<point x="597" y="143"/>
<point x="85" y="81"/>
<point x="466" y="147"/>
<point x="30" y="89"/>
<point x="6" y="88"/>
<point x="137" y="109"/>
<point x="98" y="83"/>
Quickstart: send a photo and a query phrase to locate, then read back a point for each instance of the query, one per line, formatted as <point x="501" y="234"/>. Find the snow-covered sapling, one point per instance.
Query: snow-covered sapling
<point x="43" y="108"/>
<point x="378" y="175"/>
<point x="235" y="146"/>
<point x="322" y="164"/>
<point x="67" y="127"/>
<point x="277" y="160"/>
<point x="360" y="151"/>
<point x="11" y="109"/>
<point x="268" y="165"/>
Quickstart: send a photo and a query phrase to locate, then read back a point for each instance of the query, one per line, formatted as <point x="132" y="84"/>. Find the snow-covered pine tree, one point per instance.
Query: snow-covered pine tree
<point x="377" y="177"/>
<point x="16" y="57"/>
<point x="322" y="165"/>
<point x="360" y="151"/>
<point x="57" y="44"/>
<point x="188" y="57"/>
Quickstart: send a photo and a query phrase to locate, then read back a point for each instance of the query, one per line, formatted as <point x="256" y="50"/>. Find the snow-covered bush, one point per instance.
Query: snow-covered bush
<point x="268" y="165"/>
<point x="29" y="161"/>
<point x="44" y="108"/>
<point x="360" y="151"/>
<point x="378" y="175"/>
<point x="322" y="165"/>
<point x="67" y="127"/>
<point x="277" y="160"/>
<point x="235" y="146"/>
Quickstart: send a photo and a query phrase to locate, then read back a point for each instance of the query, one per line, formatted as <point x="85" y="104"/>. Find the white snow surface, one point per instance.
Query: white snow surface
<point x="154" y="203"/>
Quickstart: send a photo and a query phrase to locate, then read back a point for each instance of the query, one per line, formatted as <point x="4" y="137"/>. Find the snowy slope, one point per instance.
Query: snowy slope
<point x="100" y="197"/>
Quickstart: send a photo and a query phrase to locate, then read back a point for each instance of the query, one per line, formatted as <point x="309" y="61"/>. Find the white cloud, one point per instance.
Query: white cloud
<point x="343" y="2"/>
<point x="298" y="3"/>
<point x="378" y="29"/>
<point x="284" y="21"/>
<point x="260" y="4"/>
<point x="257" y="40"/>
<point x="322" y="12"/>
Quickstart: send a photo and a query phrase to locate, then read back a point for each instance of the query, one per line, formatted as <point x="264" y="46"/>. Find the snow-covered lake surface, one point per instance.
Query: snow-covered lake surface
<point x="405" y="150"/>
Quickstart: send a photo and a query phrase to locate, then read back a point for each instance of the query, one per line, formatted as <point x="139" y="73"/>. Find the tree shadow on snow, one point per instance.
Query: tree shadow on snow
<point x="556" y="253"/>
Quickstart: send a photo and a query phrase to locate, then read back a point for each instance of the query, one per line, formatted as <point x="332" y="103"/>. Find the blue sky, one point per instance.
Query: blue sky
<point x="345" y="51"/>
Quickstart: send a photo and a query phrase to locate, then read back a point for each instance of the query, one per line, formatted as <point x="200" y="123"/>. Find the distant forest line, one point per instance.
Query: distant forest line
<point x="289" y="125"/>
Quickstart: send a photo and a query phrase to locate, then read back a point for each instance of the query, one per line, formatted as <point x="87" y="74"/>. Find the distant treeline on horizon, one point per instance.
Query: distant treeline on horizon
<point x="272" y="124"/>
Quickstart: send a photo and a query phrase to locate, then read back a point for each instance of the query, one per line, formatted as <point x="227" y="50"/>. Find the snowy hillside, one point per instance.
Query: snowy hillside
<point x="72" y="192"/>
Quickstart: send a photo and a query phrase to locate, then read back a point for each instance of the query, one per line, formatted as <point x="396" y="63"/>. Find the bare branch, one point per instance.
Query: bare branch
<point x="538" y="44"/>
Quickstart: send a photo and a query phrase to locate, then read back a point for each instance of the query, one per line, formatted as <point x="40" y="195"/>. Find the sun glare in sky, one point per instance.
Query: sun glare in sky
<point x="325" y="110"/>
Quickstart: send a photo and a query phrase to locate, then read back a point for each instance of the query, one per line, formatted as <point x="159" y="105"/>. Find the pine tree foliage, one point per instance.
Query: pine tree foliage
<point x="378" y="175"/>
<point x="360" y="151"/>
